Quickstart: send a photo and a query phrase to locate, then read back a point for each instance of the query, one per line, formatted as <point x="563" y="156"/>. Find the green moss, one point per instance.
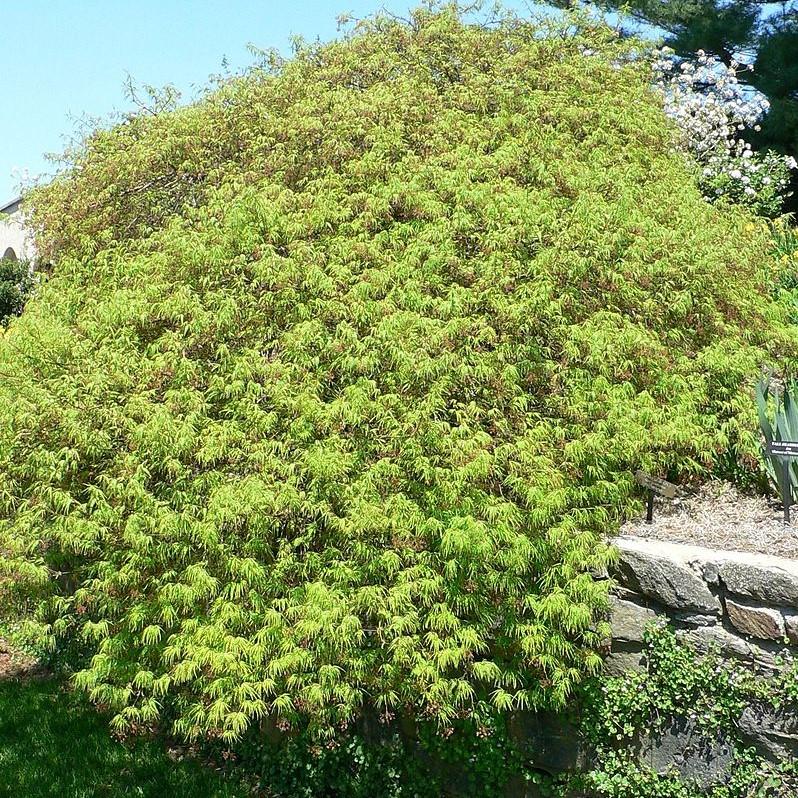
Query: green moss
<point x="343" y="372"/>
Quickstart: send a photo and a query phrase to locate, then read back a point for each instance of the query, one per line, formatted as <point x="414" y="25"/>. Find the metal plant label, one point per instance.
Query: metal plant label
<point x="659" y="486"/>
<point x="784" y="450"/>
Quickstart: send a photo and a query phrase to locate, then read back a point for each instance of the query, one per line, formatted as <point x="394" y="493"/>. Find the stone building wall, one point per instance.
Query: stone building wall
<point x="14" y="238"/>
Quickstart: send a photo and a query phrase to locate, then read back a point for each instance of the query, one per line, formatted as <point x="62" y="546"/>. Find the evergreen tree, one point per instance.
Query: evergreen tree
<point x="15" y="286"/>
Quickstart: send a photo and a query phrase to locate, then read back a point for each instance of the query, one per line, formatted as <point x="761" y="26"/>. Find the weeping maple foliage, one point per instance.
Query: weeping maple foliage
<point x="342" y="372"/>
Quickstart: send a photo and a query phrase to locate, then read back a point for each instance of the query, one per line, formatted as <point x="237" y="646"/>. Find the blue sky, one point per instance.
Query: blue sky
<point x="63" y="59"/>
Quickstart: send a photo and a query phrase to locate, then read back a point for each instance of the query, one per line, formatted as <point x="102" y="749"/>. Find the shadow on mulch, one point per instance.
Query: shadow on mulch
<point x="16" y="665"/>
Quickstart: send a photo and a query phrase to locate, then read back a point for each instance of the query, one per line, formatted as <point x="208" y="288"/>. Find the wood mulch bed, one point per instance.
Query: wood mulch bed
<point x="718" y="516"/>
<point x="16" y="665"/>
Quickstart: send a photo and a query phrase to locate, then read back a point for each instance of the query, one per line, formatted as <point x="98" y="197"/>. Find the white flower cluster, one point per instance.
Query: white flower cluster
<point x="705" y="99"/>
<point x="711" y="109"/>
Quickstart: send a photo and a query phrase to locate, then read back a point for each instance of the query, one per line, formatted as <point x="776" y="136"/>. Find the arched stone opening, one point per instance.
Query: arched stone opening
<point x="9" y="254"/>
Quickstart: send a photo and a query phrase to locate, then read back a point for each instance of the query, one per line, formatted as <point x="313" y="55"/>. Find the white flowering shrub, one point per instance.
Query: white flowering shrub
<point x="711" y="110"/>
<point x="759" y="180"/>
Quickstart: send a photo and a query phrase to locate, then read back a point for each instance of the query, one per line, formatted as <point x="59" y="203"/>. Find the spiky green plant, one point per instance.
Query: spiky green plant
<point x="778" y="421"/>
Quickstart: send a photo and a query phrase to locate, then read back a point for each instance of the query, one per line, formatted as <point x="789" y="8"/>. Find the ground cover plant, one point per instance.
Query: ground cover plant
<point x="342" y="374"/>
<point x="681" y="686"/>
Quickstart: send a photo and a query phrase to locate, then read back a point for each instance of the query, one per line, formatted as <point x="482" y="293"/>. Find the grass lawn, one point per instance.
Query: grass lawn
<point x="53" y="744"/>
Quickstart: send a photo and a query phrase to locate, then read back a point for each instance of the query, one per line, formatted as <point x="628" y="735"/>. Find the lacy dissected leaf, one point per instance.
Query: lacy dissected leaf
<point x="342" y="372"/>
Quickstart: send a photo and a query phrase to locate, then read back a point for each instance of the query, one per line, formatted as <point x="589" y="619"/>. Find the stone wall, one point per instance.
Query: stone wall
<point x="745" y="606"/>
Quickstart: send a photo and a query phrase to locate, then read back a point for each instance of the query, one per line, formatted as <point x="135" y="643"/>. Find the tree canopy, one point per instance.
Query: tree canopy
<point x="342" y="373"/>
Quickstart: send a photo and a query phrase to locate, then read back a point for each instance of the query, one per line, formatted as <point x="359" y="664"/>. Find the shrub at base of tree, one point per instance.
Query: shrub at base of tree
<point x="342" y="374"/>
<point x="16" y="283"/>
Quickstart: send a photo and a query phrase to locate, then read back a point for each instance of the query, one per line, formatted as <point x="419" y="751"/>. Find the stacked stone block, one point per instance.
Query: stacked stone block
<point x="746" y="605"/>
<point x="742" y="605"/>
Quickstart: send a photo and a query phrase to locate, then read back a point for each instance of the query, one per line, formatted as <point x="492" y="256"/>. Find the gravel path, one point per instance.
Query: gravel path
<point x="720" y="517"/>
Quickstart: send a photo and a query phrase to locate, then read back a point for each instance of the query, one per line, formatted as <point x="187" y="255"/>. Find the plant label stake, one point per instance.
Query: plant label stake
<point x="660" y="486"/>
<point x="784" y="450"/>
